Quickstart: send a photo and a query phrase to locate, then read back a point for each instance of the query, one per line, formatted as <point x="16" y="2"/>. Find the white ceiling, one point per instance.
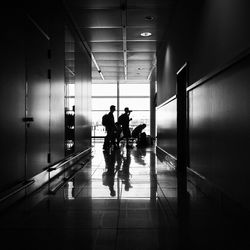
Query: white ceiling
<point x="112" y="29"/>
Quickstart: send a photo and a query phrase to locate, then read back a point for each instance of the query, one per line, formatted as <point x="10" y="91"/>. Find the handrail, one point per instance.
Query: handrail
<point x="26" y="184"/>
<point x="66" y="179"/>
<point x="166" y="102"/>
<point x="65" y="161"/>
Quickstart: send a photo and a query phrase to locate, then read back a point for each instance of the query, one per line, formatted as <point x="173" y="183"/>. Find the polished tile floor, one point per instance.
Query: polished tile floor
<point x="122" y="200"/>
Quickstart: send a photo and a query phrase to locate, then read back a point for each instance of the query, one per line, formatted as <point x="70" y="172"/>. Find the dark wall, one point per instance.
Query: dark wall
<point x="37" y="97"/>
<point x="32" y="86"/>
<point x="167" y="127"/>
<point x="209" y="35"/>
<point x="56" y="31"/>
<point x="12" y="96"/>
<point x="153" y="103"/>
<point x="219" y="130"/>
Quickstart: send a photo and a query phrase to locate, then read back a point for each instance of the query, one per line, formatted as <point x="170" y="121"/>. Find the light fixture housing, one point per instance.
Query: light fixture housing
<point x="149" y="18"/>
<point x="146" y="34"/>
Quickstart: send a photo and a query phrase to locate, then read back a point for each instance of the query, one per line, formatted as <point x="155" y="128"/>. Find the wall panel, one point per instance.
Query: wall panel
<point x="57" y="87"/>
<point x="12" y="97"/>
<point x="219" y="130"/>
<point x="38" y="92"/>
<point x="167" y="127"/>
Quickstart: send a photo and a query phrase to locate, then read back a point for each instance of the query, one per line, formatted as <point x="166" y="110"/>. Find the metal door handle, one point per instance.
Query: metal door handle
<point x="28" y="119"/>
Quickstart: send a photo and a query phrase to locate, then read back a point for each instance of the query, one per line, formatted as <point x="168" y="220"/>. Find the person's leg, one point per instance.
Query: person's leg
<point x="108" y="139"/>
<point x="106" y="142"/>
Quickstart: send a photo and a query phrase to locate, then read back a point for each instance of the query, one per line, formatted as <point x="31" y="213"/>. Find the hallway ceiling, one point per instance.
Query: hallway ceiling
<point x="111" y="30"/>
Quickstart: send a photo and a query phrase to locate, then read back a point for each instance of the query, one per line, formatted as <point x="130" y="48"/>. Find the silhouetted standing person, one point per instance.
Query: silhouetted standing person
<point x="124" y="120"/>
<point x="118" y="131"/>
<point x="110" y="128"/>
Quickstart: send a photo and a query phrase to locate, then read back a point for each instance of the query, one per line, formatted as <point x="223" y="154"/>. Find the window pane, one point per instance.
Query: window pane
<point x="70" y="89"/>
<point x="104" y="90"/>
<point x="134" y="89"/>
<point x="135" y="103"/>
<point x="103" y="103"/>
<point x="70" y="102"/>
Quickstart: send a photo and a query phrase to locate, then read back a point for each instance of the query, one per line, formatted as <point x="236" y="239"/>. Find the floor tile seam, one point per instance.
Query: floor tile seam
<point x="118" y="219"/>
<point x="62" y="228"/>
<point x="84" y="185"/>
<point x="140" y="228"/>
<point x="79" y="212"/>
<point x="168" y="203"/>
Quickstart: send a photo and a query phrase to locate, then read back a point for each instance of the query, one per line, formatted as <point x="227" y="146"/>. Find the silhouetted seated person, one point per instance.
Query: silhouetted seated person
<point x="138" y="130"/>
<point x="142" y="140"/>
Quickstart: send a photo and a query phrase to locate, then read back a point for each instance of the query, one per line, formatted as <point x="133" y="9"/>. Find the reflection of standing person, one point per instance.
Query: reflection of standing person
<point x="110" y="128"/>
<point x="124" y="121"/>
<point x="118" y="131"/>
<point x="124" y="173"/>
<point x="108" y="176"/>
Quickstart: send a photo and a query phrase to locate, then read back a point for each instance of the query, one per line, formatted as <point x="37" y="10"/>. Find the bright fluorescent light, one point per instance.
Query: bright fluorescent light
<point x="146" y="34"/>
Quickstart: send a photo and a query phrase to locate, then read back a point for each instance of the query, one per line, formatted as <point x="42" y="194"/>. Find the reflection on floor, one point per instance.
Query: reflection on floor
<point x="123" y="199"/>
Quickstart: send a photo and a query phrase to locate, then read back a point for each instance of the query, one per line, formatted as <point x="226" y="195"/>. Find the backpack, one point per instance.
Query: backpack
<point x="105" y="120"/>
<point x="121" y="119"/>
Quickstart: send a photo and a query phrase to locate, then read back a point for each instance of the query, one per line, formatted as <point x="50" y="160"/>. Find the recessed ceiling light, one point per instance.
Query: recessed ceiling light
<point x="146" y="34"/>
<point x="149" y="18"/>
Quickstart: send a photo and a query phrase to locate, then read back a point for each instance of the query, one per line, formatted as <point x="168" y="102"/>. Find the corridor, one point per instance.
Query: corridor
<point x="137" y="209"/>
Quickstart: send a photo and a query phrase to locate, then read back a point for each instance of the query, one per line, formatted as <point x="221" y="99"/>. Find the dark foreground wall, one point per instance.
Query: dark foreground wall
<point x="213" y="37"/>
<point x="32" y="86"/>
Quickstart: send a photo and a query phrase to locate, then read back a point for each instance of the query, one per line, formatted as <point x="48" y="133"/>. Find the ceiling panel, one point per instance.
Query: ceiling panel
<point x="113" y="74"/>
<point x="106" y="47"/>
<point x="149" y="46"/>
<point x="111" y="63"/>
<point x="98" y="35"/>
<point x="150" y="3"/>
<point x="95" y="4"/>
<point x="112" y="69"/>
<point x="137" y="17"/>
<point x="137" y="77"/>
<point x="140" y="55"/>
<point x="137" y="74"/>
<point x="144" y="63"/>
<point x="108" y="56"/>
<point x="141" y="17"/>
<point x="98" y="18"/>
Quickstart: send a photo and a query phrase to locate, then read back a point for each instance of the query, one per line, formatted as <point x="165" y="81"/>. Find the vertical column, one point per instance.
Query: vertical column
<point x="182" y="154"/>
<point x="118" y="100"/>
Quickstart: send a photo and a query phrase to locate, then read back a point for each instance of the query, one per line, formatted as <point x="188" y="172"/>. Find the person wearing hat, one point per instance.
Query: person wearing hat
<point x="109" y="140"/>
<point x="124" y="120"/>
